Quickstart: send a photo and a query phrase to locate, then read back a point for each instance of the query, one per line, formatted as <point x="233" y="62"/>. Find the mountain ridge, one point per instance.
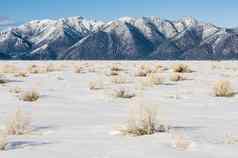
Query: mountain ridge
<point x="124" y="38"/>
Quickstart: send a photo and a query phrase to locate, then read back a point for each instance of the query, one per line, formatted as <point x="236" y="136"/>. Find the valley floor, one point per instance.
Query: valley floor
<point x="70" y="120"/>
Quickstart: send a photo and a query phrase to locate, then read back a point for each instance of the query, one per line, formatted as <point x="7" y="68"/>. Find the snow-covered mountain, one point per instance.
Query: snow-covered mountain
<point x="125" y="38"/>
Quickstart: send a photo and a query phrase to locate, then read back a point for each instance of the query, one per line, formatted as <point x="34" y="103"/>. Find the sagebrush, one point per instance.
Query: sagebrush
<point x="142" y="119"/>
<point x="222" y="88"/>
<point x="18" y="124"/>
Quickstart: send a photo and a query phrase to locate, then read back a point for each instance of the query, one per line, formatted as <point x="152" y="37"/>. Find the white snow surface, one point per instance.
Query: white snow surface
<point x="69" y="120"/>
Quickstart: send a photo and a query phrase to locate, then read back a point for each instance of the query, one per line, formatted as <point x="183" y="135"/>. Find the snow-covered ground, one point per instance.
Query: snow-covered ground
<point x="72" y="121"/>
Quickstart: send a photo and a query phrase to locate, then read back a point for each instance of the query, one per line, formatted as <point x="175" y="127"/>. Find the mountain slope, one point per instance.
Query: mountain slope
<point x="125" y="38"/>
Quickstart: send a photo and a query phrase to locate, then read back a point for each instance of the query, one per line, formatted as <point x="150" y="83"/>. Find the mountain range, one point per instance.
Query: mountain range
<point x="125" y="38"/>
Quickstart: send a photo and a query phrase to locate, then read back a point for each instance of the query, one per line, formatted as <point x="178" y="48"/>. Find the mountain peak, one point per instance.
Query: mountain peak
<point x="127" y="19"/>
<point x="188" y="20"/>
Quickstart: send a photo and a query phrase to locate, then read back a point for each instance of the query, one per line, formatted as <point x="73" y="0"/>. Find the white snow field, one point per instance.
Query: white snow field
<point x="71" y="121"/>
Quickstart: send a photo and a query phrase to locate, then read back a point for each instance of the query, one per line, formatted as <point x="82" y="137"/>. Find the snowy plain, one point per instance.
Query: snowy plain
<point x="72" y="121"/>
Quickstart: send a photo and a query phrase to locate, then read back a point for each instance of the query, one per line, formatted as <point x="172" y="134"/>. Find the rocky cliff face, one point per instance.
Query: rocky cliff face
<point x="125" y="38"/>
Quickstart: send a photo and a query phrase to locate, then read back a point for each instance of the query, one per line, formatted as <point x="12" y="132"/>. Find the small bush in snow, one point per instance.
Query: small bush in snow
<point x="181" y="68"/>
<point x="116" y="67"/>
<point x="142" y="120"/>
<point x="78" y="69"/>
<point x="141" y="73"/>
<point x="158" y="68"/>
<point x="3" y="141"/>
<point x="19" y="124"/>
<point x="16" y="90"/>
<point x="146" y="67"/>
<point x="143" y="70"/>
<point x="123" y="92"/>
<point x="119" y="79"/>
<point x="150" y="80"/>
<point x="30" y="96"/>
<point x="181" y="143"/>
<point x="8" y="68"/>
<point x="21" y="74"/>
<point x="154" y="79"/>
<point x="223" y="88"/>
<point x="176" y="77"/>
<point x="3" y="80"/>
<point x="230" y="139"/>
<point x="92" y="69"/>
<point x="36" y="69"/>
<point x="53" y="67"/>
<point x="113" y="73"/>
<point x="96" y="85"/>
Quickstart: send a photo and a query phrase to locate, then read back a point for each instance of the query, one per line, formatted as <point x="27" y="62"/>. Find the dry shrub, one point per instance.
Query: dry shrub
<point x="52" y="68"/>
<point x="59" y="78"/>
<point x="143" y="70"/>
<point x="33" y="68"/>
<point x="3" y="80"/>
<point x="181" y="68"/>
<point x="116" y="67"/>
<point x="78" y="69"/>
<point x="8" y="68"/>
<point x="18" y="124"/>
<point x="62" y="66"/>
<point x="112" y="73"/>
<point x="44" y="68"/>
<point x="181" y="143"/>
<point x="146" y="67"/>
<point x="215" y="66"/>
<point x="30" y="96"/>
<point x="230" y="139"/>
<point x="21" y="74"/>
<point x="96" y="85"/>
<point x="91" y="69"/>
<point x="142" y="120"/>
<point x="140" y="73"/>
<point x="36" y="69"/>
<point x="119" y="79"/>
<point x="222" y="88"/>
<point x="176" y="77"/>
<point x="150" y="80"/>
<point x="234" y="69"/>
<point x="158" y="68"/>
<point x="3" y="141"/>
<point x="154" y="79"/>
<point x="123" y="92"/>
<point x="15" y="90"/>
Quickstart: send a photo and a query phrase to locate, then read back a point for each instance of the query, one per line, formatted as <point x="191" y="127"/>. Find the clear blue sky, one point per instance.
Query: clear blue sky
<point x="219" y="12"/>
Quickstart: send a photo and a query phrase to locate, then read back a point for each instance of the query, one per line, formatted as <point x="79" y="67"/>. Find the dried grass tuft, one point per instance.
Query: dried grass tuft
<point x="30" y="96"/>
<point x="78" y="69"/>
<point x="223" y="88"/>
<point x="16" y="90"/>
<point x="19" y="124"/>
<point x="116" y="67"/>
<point x="53" y="67"/>
<point x="181" y="143"/>
<point x="181" y="68"/>
<point x="177" y="77"/>
<point x="154" y="79"/>
<point x="120" y="79"/>
<point x="8" y="68"/>
<point x="3" y="141"/>
<point x="96" y="85"/>
<point x="123" y="92"/>
<point x="142" y="119"/>
<point x="21" y="74"/>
